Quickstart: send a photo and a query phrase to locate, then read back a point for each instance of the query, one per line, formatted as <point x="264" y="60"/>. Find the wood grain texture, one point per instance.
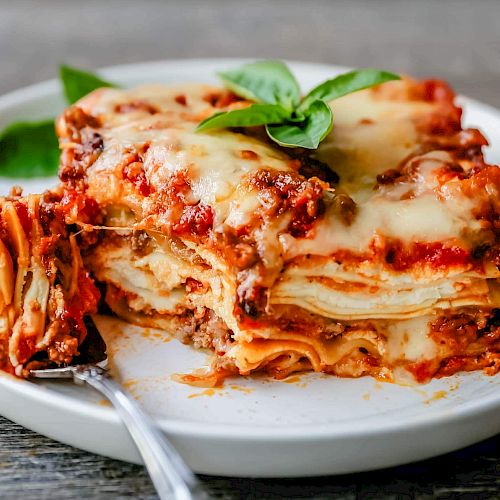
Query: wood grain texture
<point x="454" y="39"/>
<point x="33" y="467"/>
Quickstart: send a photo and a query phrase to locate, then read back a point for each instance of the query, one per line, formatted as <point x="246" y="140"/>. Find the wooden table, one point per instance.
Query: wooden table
<point x="33" y="467"/>
<point x="456" y="40"/>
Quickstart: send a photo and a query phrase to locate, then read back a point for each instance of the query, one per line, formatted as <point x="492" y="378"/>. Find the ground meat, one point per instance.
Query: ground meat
<point x="282" y="192"/>
<point x="211" y="332"/>
<point x="62" y="350"/>
<point x="455" y="332"/>
<point x="140" y="242"/>
<point x="134" y="172"/>
<point x="195" y="220"/>
<point x="85" y="145"/>
<point x="346" y="207"/>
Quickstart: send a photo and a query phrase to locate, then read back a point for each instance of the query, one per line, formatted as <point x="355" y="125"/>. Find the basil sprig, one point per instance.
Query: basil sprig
<point x="31" y="149"/>
<point x="270" y="82"/>
<point x="316" y="125"/>
<point x="289" y="120"/>
<point x="78" y="83"/>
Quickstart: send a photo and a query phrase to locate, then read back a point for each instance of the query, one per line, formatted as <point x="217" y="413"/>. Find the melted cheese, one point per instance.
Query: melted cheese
<point x="215" y="161"/>
<point x="370" y="135"/>
<point x="424" y="219"/>
<point x="409" y="340"/>
<point x="432" y="213"/>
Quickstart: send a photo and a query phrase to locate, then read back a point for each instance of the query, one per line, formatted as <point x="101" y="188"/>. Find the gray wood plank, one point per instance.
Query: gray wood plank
<point x="34" y="467"/>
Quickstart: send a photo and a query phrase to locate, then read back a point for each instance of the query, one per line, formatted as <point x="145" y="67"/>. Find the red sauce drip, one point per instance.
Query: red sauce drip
<point x="435" y="255"/>
<point x="448" y="172"/>
<point x="480" y="178"/>
<point x="456" y="364"/>
<point x="196" y="220"/>
<point x="8" y="368"/>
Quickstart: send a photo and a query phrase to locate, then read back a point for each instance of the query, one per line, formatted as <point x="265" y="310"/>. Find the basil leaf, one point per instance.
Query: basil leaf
<point x="270" y="82"/>
<point x="308" y="134"/>
<point x="256" y="114"/>
<point x="29" y="149"/>
<point x="78" y="83"/>
<point x="346" y="84"/>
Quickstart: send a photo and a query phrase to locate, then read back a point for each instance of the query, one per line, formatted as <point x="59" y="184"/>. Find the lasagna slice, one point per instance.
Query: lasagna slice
<point x="377" y="254"/>
<point x="45" y="292"/>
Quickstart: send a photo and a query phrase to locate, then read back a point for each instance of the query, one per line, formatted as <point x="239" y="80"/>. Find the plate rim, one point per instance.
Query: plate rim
<point x="343" y="429"/>
<point x="346" y="429"/>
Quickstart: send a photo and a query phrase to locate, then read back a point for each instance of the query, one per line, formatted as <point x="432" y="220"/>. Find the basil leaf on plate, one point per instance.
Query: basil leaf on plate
<point x="256" y="114"/>
<point x="78" y="83"/>
<point x="309" y="133"/>
<point x="346" y="84"/>
<point x="29" y="149"/>
<point x="270" y="82"/>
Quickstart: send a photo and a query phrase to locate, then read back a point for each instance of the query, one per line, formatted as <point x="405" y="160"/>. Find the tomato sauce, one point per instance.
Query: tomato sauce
<point x="289" y="192"/>
<point x="435" y="255"/>
<point x="134" y="173"/>
<point x="196" y="220"/>
<point x="88" y="208"/>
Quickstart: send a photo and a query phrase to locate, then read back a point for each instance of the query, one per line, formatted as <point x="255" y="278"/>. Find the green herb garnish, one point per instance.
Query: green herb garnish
<point x="78" y="83"/>
<point x="31" y="149"/>
<point x="289" y="120"/>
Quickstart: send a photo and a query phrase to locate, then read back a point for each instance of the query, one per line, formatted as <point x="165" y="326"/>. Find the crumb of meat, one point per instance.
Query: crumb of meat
<point x="211" y="333"/>
<point x="63" y="350"/>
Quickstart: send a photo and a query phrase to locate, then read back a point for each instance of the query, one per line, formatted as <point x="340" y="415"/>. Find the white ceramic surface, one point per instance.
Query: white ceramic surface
<point x="307" y="425"/>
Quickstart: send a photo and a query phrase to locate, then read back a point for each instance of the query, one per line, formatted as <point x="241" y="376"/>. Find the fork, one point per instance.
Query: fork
<point x="171" y="477"/>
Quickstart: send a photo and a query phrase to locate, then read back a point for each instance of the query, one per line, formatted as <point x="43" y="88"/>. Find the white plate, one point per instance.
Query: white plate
<point x="309" y="425"/>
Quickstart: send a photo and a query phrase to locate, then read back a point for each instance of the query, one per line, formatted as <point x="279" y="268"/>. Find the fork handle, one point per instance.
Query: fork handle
<point x="170" y="475"/>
